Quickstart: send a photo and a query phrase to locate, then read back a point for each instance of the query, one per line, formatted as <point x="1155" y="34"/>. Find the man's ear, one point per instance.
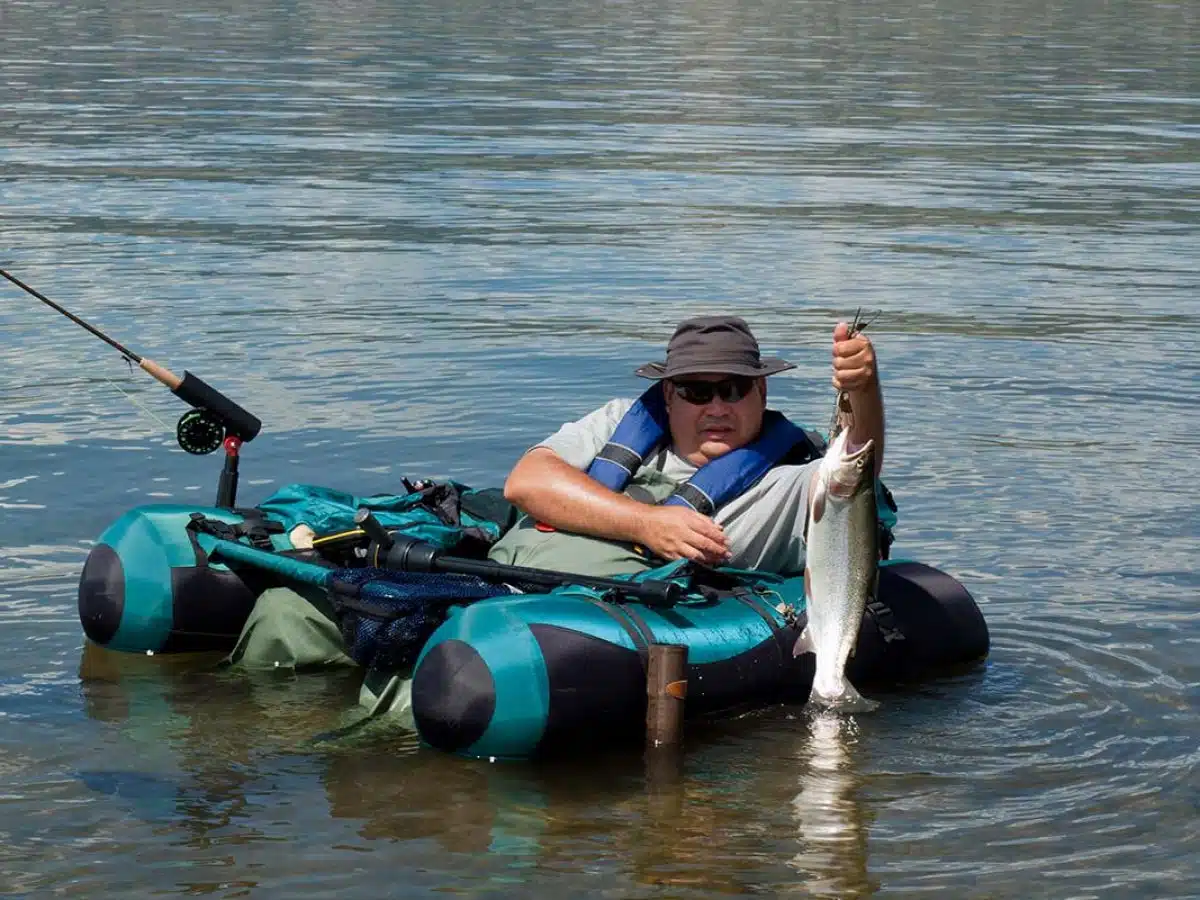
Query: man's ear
<point x="762" y="386"/>
<point x="668" y="393"/>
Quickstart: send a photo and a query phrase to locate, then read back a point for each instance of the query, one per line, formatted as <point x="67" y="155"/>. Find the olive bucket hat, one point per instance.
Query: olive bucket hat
<point x="722" y="345"/>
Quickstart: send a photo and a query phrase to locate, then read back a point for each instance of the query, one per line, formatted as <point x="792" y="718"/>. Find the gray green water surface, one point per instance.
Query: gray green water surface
<point x="415" y="238"/>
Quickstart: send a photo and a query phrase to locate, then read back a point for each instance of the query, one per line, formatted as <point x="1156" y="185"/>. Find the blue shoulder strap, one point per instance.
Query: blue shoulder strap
<point x="731" y="475"/>
<point x="643" y="428"/>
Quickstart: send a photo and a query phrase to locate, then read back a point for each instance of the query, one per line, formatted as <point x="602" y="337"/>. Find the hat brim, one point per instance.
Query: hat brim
<point x="657" y="370"/>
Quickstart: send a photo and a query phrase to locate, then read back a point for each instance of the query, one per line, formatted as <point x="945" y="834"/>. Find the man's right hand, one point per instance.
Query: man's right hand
<point x="543" y="485"/>
<point x="678" y="532"/>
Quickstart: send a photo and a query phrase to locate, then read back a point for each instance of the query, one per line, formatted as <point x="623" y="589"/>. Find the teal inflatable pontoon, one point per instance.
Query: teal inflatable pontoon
<point x="515" y="675"/>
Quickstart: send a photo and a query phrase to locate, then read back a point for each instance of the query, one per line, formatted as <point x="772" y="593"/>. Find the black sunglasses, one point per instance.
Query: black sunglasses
<point x="698" y="393"/>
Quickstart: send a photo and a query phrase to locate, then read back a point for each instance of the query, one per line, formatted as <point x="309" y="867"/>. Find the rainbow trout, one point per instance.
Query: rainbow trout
<point x="841" y="568"/>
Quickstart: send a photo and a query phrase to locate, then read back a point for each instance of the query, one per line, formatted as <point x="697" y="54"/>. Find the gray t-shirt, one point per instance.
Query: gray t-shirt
<point x="764" y="526"/>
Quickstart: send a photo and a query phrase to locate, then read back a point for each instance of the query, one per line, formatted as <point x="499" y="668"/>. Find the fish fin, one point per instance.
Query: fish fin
<point x="804" y="643"/>
<point x="817" y="503"/>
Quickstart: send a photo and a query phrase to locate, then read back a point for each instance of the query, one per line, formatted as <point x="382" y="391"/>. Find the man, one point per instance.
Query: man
<point x="711" y="405"/>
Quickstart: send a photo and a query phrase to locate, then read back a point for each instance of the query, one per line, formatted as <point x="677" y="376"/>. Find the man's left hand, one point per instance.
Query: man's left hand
<point x="853" y="361"/>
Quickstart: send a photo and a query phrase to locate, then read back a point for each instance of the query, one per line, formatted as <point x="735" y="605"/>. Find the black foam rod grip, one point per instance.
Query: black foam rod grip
<point x="201" y="395"/>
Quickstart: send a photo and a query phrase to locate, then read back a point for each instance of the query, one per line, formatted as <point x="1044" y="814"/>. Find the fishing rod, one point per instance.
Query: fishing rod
<point x="214" y="419"/>
<point x="409" y="554"/>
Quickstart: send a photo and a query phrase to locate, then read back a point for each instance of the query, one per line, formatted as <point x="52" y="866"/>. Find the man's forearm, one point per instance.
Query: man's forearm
<point x="868" y="420"/>
<point x="552" y="491"/>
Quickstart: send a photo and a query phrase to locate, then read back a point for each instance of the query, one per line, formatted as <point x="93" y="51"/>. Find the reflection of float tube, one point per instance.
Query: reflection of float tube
<point x="189" y="388"/>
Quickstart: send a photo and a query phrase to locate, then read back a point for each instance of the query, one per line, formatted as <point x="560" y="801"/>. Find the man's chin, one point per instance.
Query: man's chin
<point x="714" y="447"/>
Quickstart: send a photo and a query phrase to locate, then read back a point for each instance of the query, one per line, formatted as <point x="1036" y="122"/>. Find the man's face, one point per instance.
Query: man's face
<point x="729" y="417"/>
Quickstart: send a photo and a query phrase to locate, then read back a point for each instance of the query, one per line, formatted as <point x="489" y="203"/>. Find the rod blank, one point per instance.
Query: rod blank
<point x="190" y="389"/>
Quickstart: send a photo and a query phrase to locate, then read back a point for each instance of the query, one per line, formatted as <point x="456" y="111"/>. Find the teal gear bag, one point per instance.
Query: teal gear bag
<point x="446" y="514"/>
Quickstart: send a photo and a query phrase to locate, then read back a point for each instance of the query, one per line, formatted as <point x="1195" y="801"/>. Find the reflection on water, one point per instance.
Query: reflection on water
<point x="188" y="703"/>
<point x="669" y="819"/>
<point x="831" y="821"/>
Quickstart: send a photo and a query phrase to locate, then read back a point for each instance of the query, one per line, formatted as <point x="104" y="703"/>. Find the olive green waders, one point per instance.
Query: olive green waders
<point x="296" y="629"/>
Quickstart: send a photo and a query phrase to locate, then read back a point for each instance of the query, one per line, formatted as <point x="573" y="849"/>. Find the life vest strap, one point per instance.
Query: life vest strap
<point x="687" y="494"/>
<point x="621" y="456"/>
<point x="645" y="428"/>
<point x="639" y="432"/>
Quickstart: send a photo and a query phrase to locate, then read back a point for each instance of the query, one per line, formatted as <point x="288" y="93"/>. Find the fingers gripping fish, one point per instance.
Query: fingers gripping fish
<point x="843" y="415"/>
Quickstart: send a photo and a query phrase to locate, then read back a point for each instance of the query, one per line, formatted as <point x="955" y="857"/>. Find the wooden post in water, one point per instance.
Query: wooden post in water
<point x="666" y="687"/>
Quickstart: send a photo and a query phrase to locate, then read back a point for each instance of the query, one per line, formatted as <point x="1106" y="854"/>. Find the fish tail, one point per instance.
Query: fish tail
<point x="837" y="693"/>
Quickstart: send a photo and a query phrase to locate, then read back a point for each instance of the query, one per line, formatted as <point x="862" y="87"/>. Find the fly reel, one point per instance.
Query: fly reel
<point x="199" y="432"/>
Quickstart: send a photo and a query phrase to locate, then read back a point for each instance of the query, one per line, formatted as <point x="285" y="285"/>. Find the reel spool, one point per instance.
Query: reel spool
<point x="199" y="432"/>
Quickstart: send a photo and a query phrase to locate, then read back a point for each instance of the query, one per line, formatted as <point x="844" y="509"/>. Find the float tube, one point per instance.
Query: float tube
<point x="528" y="674"/>
<point x="533" y="675"/>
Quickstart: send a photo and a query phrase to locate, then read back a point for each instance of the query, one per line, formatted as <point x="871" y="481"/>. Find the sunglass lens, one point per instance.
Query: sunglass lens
<point x="695" y="392"/>
<point x="730" y="390"/>
<point x="737" y="388"/>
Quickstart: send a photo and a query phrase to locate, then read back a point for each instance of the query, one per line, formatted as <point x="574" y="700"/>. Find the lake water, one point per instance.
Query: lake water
<point x="414" y="239"/>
